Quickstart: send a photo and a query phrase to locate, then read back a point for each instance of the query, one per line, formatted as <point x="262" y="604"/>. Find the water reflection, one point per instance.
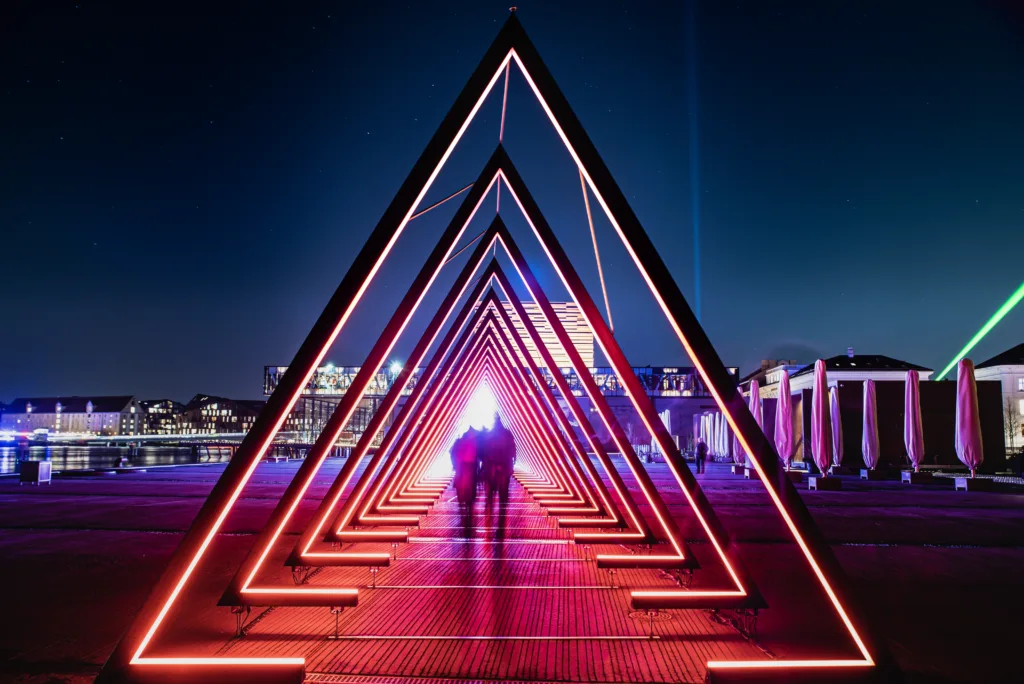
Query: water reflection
<point x="83" y="457"/>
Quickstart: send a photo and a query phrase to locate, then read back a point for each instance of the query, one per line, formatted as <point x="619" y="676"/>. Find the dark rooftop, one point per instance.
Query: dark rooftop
<point x="70" y="404"/>
<point x="1011" y="357"/>
<point x="860" y="362"/>
<point x="200" y="400"/>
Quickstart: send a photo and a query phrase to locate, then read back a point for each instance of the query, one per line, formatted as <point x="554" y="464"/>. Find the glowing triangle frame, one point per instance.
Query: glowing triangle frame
<point x="414" y="401"/>
<point x="511" y="44"/>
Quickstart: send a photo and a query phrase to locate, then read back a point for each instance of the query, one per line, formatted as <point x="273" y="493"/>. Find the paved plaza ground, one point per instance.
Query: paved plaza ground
<point x="939" y="571"/>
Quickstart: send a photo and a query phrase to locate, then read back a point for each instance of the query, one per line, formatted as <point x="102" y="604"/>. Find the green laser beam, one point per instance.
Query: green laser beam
<point x="998" y="316"/>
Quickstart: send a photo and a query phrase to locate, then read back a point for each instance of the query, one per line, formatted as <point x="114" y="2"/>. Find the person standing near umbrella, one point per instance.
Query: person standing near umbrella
<point x="702" y="456"/>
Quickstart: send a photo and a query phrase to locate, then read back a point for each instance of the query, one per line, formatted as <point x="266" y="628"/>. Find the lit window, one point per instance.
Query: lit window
<point x="1022" y="407"/>
<point x="1020" y="384"/>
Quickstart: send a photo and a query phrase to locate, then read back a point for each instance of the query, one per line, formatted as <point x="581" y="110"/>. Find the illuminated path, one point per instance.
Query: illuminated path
<point x="528" y="604"/>
<point x="924" y="560"/>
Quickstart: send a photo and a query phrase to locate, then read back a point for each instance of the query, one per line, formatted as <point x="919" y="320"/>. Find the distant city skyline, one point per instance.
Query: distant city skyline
<point x="180" y="215"/>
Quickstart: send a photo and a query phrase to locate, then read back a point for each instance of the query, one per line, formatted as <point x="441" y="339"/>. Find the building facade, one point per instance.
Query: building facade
<point x="161" y="416"/>
<point x="113" y="415"/>
<point x="208" y="415"/>
<point x="1008" y="369"/>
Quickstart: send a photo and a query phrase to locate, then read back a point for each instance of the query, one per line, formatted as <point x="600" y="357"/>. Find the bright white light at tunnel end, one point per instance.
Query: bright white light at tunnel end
<point x="480" y="410"/>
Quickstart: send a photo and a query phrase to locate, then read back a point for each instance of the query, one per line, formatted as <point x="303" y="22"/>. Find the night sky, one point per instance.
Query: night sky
<point x="181" y="193"/>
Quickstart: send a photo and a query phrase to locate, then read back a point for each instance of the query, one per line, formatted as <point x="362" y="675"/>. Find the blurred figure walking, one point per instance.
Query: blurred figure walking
<point x="465" y="454"/>
<point x="499" y="459"/>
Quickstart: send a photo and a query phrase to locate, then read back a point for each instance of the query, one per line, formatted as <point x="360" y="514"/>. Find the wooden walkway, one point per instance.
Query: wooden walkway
<point x="518" y="601"/>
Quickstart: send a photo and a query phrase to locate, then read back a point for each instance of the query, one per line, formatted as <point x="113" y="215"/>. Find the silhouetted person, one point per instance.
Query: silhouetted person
<point x="499" y="456"/>
<point x="702" y="456"/>
<point x="464" y="460"/>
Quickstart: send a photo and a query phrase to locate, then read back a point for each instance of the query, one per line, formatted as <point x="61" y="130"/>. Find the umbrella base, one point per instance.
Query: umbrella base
<point x="972" y="484"/>
<point x="795" y="476"/>
<point x="750" y="473"/>
<point x="825" y="484"/>
<point x="910" y="477"/>
<point x="737" y="469"/>
<point x="873" y="475"/>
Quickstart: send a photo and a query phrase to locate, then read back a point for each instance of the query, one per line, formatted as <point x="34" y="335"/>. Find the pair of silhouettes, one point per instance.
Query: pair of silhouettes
<point x="487" y="455"/>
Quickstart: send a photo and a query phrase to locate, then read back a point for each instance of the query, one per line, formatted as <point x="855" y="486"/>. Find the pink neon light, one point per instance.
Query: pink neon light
<point x="547" y="399"/>
<point x="137" y="656"/>
<point x="534" y="412"/>
<point x="411" y="467"/>
<point x="537" y="410"/>
<point x="703" y="373"/>
<point x="413" y="362"/>
<point x="573" y="406"/>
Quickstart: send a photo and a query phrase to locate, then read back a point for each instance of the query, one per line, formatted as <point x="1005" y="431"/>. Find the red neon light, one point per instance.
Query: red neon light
<point x="138" y="659"/>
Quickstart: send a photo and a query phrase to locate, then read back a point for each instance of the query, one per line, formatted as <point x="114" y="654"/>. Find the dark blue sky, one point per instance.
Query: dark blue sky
<point x="181" y="193"/>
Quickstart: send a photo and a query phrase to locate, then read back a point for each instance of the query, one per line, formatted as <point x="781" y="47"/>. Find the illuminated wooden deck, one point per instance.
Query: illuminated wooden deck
<point x="98" y="543"/>
<point x="526" y="605"/>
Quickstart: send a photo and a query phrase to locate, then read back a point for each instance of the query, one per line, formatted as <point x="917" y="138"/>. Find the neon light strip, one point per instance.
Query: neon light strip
<point x="414" y="399"/>
<point x="532" y="402"/>
<point x="556" y="410"/>
<point x="636" y="395"/>
<point x="388" y="492"/>
<point x="703" y="373"/>
<point x="453" y="388"/>
<point x="137" y="656"/>
<point x="570" y="399"/>
<point x="507" y="375"/>
<point x="344" y="423"/>
<point x="596" y="397"/>
<point x="535" y="428"/>
<point x="536" y="392"/>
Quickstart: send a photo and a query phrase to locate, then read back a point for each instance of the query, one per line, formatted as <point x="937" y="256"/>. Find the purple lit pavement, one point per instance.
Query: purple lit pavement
<point x="935" y="568"/>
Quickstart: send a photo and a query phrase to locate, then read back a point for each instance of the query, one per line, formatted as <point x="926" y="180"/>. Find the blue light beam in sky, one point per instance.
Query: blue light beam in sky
<point x="691" y="94"/>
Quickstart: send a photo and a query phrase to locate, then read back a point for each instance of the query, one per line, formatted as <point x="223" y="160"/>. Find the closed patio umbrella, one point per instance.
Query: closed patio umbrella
<point x="837" y="427"/>
<point x="968" y="421"/>
<point x="869" y="441"/>
<point x="755" y="408"/>
<point x="784" y="422"/>
<point x="821" y="432"/>
<point x="696" y="429"/>
<point x="913" y="431"/>
<point x="723" y="435"/>
<point x="708" y="432"/>
<point x="755" y="401"/>
<point x="738" y="456"/>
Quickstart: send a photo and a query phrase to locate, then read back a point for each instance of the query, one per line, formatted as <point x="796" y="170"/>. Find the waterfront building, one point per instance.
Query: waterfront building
<point x="205" y="414"/>
<point x="1008" y="369"/>
<point x="112" y="415"/>
<point x="160" y="416"/>
<point x="309" y="416"/>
